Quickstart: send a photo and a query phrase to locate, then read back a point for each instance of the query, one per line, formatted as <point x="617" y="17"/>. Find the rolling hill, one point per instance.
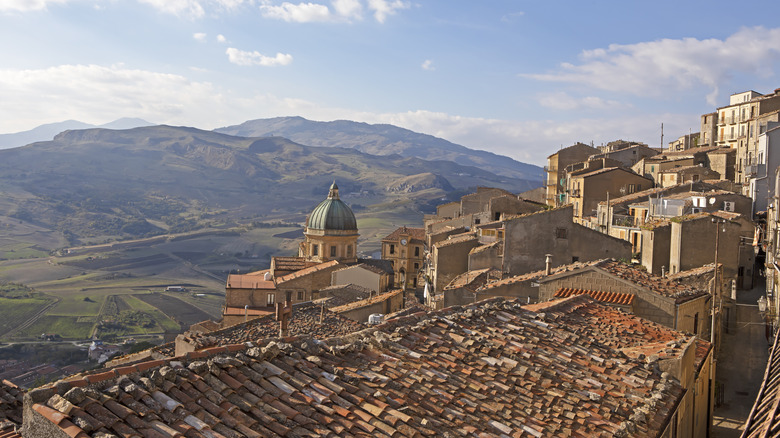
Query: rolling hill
<point x="383" y="140"/>
<point x="98" y="184"/>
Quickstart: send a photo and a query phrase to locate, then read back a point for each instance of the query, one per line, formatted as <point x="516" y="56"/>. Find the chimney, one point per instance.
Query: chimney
<point x="547" y="264"/>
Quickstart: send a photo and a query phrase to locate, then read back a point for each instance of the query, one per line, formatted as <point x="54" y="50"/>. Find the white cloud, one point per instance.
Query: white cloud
<point x="27" y="5"/>
<point x="428" y="65"/>
<point x="221" y="38"/>
<point x="348" y="8"/>
<point x="383" y="8"/>
<point x="655" y="67"/>
<point x="300" y="13"/>
<point x="240" y="57"/>
<point x="512" y="17"/>
<point x="563" y="101"/>
<point x="199" y="36"/>
<point x="183" y="8"/>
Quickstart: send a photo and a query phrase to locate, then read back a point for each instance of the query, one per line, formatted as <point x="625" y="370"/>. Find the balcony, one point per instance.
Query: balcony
<point x="754" y="170"/>
<point x="575" y="193"/>
<point x="620" y="220"/>
<point x="550" y="169"/>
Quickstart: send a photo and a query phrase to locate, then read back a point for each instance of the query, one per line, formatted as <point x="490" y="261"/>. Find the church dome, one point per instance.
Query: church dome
<point x="332" y="214"/>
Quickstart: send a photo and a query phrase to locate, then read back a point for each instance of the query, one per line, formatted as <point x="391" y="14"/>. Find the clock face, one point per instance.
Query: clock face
<point x="403" y="241"/>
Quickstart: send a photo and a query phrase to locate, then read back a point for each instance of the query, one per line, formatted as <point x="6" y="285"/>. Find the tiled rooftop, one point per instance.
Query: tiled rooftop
<point x="764" y="418"/>
<point x="305" y="320"/>
<point x="459" y="238"/>
<point x="604" y="297"/>
<point x="374" y="299"/>
<point x="490" y="369"/>
<point x="663" y="286"/>
<point x="413" y="233"/>
<point x="249" y="281"/>
<point x="473" y="279"/>
<point x="10" y="409"/>
<point x="291" y="263"/>
<point x="307" y="271"/>
<point x="340" y="295"/>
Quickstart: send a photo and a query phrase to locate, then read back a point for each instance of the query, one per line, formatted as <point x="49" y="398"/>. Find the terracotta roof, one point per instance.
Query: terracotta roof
<point x="701" y="270"/>
<point x="684" y="168"/>
<point x="11" y="400"/>
<point x="706" y="214"/>
<point x="604" y="297"/>
<point x="374" y="299"/>
<point x="605" y="170"/>
<point x="291" y="263"/>
<point x="307" y="271"/>
<point x="490" y="369"/>
<point x="249" y="281"/>
<point x="764" y="418"/>
<point x="537" y="274"/>
<point x="663" y="286"/>
<point x="632" y="335"/>
<point x="251" y="311"/>
<point x="305" y="320"/>
<point x="365" y="266"/>
<point x="460" y="238"/>
<point x="413" y="233"/>
<point x="472" y="279"/>
<point x="340" y="295"/>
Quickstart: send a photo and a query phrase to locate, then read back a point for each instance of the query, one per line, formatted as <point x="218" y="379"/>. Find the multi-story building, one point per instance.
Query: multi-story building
<point x="684" y="143"/>
<point x="587" y="188"/>
<point x="405" y="248"/>
<point x="556" y="170"/>
<point x="740" y="123"/>
<point x="708" y="133"/>
<point x="759" y="175"/>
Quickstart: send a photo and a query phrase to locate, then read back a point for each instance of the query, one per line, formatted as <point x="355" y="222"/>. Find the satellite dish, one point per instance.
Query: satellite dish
<point x="712" y="201"/>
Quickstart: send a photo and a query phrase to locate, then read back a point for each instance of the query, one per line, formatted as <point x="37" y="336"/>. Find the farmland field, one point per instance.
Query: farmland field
<point x="66" y="326"/>
<point x="14" y="312"/>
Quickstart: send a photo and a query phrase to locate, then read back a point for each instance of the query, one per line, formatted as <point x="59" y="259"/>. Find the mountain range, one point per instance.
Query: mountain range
<point x="48" y="131"/>
<point x="97" y="184"/>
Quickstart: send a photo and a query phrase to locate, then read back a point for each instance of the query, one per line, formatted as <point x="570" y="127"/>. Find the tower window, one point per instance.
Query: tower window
<point x="349" y="250"/>
<point x="417" y="251"/>
<point x="392" y="249"/>
<point x="315" y="250"/>
<point x="333" y="251"/>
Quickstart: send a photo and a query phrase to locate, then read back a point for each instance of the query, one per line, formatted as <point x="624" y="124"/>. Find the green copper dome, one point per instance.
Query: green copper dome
<point x="332" y="214"/>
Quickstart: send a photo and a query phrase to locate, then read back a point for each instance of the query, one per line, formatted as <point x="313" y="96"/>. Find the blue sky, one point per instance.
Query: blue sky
<point x="519" y="78"/>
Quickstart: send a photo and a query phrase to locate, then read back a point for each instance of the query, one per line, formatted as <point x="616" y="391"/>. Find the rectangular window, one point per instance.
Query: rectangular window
<point x="333" y="251"/>
<point x="417" y="251"/>
<point x="315" y="249"/>
<point x="349" y="250"/>
<point x="392" y="249"/>
<point x="270" y="299"/>
<point x="300" y="295"/>
<point x="696" y="323"/>
<point x="560" y="233"/>
<point x="416" y="266"/>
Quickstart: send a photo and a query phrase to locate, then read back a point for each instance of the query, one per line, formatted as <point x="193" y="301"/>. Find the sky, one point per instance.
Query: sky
<point x="518" y="78"/>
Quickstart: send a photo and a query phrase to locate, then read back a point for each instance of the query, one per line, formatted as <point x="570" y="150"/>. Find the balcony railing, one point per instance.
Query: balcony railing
<point x="752" y="170"/>
<point x="550" y="169"/>
<point x="620" y="220"/>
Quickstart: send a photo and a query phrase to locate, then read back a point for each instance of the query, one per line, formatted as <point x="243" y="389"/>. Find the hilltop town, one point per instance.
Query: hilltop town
<point x="614" y="301"/>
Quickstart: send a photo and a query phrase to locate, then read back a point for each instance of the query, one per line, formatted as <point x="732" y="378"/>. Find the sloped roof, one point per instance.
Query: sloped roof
<point x="308" y="271"/>
<point x="764" y="418"/>
<point x="11" y="397"/>
<point x="492" y="368"/>
<point x="413" y="233"/>
<point x="604" y="297"/>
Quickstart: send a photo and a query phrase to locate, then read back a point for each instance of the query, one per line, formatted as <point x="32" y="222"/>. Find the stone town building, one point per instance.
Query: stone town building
<point x="759" y="176"/>
<point x="556" y="166"/>
<point x="693" y="240"/>
<point x="575" y="368"/>
<point x="709" y="130"/>
<point x="586" y="190"/>
<point x="331" y="231"/>
<point x="405" y="248"/>
<point x="363" y="274"/>
<point x="686" y="174"/>
<point x="628" y="155"/>
<point x="685" y="142"/>
<point x="485" y="206"/>
<point x="741" y="122"/>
